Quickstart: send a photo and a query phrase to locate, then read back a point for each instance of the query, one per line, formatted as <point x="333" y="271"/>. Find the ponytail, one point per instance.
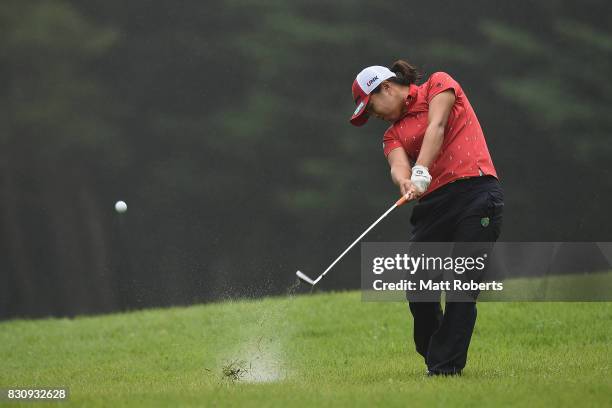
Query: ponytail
<point x="406" y="73"/>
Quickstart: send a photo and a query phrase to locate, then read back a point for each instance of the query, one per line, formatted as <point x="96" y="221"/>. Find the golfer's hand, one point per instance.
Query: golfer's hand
<point x="420" y="178"/>
<point x="414" y="192"/>
<point x="407" y="189"/>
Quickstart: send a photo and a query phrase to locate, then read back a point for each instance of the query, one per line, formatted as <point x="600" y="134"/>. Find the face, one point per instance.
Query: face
<point x="386" y="104"/>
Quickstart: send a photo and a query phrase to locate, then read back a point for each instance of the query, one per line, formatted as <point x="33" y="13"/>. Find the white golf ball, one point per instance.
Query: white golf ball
<point x="120" y="206"/>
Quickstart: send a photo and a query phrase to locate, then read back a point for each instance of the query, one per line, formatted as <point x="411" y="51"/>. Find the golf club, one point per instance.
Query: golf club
<point x="306" y="279"/>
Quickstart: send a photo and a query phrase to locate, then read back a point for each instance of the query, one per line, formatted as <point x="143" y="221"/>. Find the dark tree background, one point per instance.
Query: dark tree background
<point x="224" y="126"/>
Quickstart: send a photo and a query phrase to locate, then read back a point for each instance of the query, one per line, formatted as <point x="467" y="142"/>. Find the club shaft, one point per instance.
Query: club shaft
<point x="354" y="242"/>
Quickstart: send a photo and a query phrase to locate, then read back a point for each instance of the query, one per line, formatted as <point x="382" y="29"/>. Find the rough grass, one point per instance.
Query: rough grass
<point x="323" y="349"/>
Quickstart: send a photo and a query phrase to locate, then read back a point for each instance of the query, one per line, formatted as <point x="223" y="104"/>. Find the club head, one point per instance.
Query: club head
<point x="305" y="278"/>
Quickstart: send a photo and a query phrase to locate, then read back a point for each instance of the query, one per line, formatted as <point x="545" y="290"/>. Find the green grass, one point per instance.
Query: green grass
<point x="324" y="349"/>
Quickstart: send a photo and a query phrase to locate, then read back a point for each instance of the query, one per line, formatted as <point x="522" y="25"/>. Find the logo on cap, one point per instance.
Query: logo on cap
<point x="371" y="81"/>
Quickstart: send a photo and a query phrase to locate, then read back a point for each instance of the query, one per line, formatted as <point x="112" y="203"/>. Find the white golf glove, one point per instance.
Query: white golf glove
<point x="420" y="178"/>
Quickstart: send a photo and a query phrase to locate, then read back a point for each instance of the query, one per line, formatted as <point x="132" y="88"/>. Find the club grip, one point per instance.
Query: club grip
<point x="402" y="200"/>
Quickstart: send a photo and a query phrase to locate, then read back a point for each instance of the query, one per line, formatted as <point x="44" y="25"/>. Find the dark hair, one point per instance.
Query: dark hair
<point x="406" y="74"/>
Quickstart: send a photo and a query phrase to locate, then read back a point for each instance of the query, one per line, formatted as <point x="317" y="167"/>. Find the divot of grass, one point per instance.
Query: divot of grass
<point x="235" y="370"/>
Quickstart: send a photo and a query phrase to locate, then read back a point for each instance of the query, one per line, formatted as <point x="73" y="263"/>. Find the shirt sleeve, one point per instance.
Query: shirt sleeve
<point x="390" y="141"/>
<point x="440" y="82"/>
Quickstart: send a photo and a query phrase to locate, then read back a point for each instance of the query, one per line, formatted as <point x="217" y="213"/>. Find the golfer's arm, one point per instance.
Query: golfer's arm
<point x="400" y="165"/>
<point x="439" y="110"/>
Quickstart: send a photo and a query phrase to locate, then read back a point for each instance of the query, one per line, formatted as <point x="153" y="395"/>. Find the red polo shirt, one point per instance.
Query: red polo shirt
<point x="464" y="152"/>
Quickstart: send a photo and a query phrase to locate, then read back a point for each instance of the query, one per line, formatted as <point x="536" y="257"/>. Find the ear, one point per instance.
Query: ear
<point x="386" y="86"/>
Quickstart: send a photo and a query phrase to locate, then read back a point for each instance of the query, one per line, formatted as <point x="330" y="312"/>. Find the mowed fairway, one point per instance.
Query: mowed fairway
<point x="322" y="349"/>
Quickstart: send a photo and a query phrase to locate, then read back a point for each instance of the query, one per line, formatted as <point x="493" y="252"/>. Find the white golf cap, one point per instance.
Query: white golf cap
<point x="365" y="82"/>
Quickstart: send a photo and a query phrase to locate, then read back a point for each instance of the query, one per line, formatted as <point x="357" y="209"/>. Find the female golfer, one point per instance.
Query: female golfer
<point x="438" y="155"/>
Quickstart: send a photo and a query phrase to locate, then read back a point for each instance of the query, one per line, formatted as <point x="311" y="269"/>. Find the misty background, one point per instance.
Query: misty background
<point x="224" y="126"/>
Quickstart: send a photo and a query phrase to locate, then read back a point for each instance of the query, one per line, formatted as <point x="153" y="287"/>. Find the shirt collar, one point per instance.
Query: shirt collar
<point x="411" y="99"/>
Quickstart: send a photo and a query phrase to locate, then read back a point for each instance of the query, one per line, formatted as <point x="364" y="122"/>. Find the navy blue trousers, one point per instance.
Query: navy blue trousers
<point x="466" y="210"/>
